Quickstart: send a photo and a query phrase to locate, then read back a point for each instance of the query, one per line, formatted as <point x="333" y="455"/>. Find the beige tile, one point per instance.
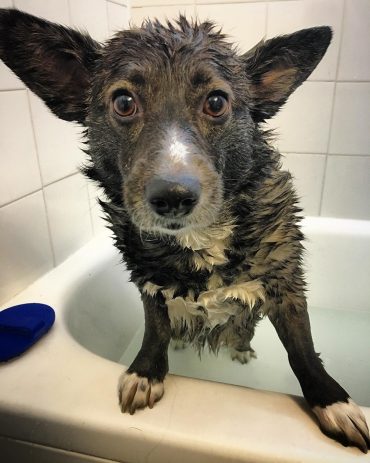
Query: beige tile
<point x="52" y="10"/>
<point x="354" y="61"/>
<point x="122" y="2"/>
<point x="68" y="210"/>
<point x="347" y="187"/>
<point x="25" y="247"/>
<point x="57" y="143"/>
<point x="243" y="22"/>
<point x="118" y="17"/>
<point x="8" y="80"/>
<point x="90" y="16"/>
<point x="137" y="3"/>
<point x="303" y="124"/>
<point x="19" y="173"/>
<point x="285" y="17"/>
<point x="138" y="15"/>
<point x="6" y="3"/>
<point x="308" y="173"/>
<point x="97" y="214"/>
<point x="350" y="132"/>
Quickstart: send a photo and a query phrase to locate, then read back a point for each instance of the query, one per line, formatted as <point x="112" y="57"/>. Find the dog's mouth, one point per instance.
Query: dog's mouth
<point x="173" y="226"/>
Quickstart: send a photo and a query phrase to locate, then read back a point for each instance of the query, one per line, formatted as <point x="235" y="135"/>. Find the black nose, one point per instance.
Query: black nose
<point x="173" y="196"/>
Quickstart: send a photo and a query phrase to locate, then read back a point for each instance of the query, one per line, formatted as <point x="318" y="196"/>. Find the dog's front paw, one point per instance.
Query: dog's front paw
<point x="344" y="422"/>
<point x="242" y="356"/>
<point x="138" y="392"/>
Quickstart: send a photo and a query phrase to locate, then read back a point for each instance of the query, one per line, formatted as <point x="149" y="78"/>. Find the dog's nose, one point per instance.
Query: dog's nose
<point x="174" y="196"/>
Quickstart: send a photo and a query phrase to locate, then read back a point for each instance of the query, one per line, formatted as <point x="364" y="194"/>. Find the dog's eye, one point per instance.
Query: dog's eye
<point x="215" y="105"/>
<point x="124" y="105"/>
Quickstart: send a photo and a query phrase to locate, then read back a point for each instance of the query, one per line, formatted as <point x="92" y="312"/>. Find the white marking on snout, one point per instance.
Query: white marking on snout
<point x="178" y="151"/>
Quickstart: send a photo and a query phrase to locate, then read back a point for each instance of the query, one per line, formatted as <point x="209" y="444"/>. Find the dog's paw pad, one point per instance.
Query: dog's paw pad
<point x="136" y="392"/>
<point x="344" y="422"/>
<point x="178" y="344"/>
<point x="242" y="356"/>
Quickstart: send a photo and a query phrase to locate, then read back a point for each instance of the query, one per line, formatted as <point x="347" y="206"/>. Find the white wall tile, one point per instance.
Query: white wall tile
<point x="52" y="10"/>
<point x="136" y="3"/>
<point x="308" y="173"/>
<point x="6" y="3"/>
<point x="244" y="22"/>
<point x="57" y="143"/>
<point x="138" y="15"/>
<point x="350" y="133"/>
<point x="8" y="80"/>
<point x="347" y="187"/>
<point x="354" y="61"/>
<point x="19" y="173"/>
<point x="97" y="214"/>
<point x="25" y="248"/>
<point x="68" y="209"/>
<point x="303" y="123"/>
<point x="90" y="16"/>
<point x="285" y="17"/>
<point x="122" y="2"/>
<point x="118" y="16"/>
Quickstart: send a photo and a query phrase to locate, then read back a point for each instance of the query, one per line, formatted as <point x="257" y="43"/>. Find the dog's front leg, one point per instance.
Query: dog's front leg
<point x="339" y="417"/>
<point x="142" y="384"/>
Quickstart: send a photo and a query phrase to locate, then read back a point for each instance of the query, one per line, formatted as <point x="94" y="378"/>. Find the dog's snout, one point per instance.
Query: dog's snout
<point x="174" y="196"/>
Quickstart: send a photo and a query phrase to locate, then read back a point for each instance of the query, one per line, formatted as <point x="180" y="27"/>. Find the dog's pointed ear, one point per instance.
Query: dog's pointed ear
<point x="275" y="68"/>
<point x="55" y="62"/>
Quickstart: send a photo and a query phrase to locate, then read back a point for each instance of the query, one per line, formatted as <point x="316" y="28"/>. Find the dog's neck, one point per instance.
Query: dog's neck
<point x="208" y="244"/>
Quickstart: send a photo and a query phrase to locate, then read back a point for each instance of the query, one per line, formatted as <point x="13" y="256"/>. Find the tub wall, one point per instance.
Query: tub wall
<point x="47" y="210"/>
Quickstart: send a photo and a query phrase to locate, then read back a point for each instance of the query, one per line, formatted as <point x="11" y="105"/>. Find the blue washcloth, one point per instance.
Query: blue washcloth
<point x="21" y="326"/>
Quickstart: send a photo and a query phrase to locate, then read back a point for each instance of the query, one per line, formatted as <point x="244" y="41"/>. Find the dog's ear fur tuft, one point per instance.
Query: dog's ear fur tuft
<point x="55" y="62"/>
<point x="275" y="68"/>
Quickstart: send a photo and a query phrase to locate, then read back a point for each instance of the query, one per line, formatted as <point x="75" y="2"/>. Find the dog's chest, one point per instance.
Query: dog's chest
<point x="217" y="302"/>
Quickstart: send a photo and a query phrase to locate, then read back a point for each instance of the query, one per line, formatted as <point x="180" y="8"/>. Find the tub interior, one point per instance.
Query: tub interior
<point x="104" y="314"/>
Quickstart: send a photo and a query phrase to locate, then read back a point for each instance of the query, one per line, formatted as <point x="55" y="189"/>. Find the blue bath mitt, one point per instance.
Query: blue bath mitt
<point x="21" y="326"/>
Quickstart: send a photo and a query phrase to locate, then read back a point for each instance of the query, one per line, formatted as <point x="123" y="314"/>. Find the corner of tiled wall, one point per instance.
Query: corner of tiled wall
<point x="47" y="208"/>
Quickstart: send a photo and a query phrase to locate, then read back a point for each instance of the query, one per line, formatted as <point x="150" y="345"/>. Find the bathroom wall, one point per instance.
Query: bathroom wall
<point x="47" y="209"/>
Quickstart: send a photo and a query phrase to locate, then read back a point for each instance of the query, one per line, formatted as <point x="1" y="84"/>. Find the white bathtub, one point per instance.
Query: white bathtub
<point x="58" y="402"/>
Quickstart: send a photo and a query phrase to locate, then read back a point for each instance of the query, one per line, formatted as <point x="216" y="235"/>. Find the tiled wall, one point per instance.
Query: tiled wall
<point x="324" y="130"/>
<point x="47" y="208"/>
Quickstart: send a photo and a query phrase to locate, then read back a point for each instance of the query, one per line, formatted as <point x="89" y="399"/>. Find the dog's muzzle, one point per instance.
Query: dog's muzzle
<point x="173" y="196"/>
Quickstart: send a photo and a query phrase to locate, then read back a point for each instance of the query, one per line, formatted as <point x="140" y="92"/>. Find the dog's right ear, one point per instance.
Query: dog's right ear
<point x="55" y="62"/>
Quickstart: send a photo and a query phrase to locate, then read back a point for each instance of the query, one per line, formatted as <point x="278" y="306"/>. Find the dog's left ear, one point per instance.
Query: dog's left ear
<point x="275" y="68"/>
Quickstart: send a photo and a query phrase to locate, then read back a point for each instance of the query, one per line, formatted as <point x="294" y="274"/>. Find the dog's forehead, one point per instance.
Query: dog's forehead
<point x="155" y="52"/>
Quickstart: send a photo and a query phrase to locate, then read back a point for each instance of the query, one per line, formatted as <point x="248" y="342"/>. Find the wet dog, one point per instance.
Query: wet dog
<point x="206" y="220"/>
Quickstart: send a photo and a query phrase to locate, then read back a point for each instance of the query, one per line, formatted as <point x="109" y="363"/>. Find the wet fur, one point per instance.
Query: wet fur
<point x="238" y="256"/>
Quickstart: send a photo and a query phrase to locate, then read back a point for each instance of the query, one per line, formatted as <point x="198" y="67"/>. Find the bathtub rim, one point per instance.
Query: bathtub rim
<point x="191" y="425"/>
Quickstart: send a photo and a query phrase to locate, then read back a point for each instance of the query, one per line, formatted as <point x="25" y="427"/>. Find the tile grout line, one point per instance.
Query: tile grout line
<point x="126" y="5"/>
<point x="267" y="17"/>
<point x="13" y="201"/>
<point x="332" y="110"/>
<point x="42" y="184"/>
<point x="70" y="13"/>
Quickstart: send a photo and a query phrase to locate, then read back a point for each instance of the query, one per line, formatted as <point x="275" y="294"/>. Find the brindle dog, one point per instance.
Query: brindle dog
<point x="205" y="218"/>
